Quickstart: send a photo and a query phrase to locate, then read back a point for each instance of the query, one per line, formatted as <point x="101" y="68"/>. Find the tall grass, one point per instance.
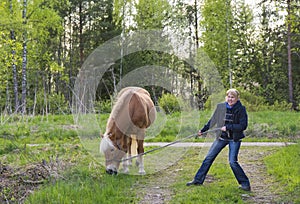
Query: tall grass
<point x="86" y="185"/>
<point x="274" y="125"/>
<point x="38" y="129"/>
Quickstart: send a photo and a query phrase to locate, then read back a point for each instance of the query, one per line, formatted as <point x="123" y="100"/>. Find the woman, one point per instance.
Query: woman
<point x="231" y="117"/>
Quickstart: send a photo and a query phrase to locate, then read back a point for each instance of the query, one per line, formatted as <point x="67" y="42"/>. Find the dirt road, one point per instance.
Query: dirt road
<point x="158" y="191"/>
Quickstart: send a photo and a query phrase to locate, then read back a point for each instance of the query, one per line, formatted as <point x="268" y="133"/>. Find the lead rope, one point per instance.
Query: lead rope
<point x="169" y="144"/>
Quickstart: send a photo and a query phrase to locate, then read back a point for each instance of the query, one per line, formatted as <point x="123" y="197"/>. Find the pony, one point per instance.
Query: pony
<point x="132" y="114"/>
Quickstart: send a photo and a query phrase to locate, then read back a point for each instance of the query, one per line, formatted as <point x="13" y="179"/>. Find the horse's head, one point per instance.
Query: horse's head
<point x="113" y="154"/>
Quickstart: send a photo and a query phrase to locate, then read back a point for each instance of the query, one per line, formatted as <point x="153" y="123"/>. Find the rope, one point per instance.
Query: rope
<point x="169" y="144"/>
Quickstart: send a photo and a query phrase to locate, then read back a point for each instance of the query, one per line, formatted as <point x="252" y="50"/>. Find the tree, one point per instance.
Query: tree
<point x="14" y="66"/>
<point x="31" y="24"/>
<point x="277" y="78"/>
<point x="243" y="41"/>
<point x="217" y="21"/>
<point x="10" y="21"/>
<point x="24" y="61"/>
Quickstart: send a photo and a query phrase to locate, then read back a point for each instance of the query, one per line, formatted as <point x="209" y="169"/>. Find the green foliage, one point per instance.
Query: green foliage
<point x="251" y="101"/>
<point x="217" y="16"/>
<point x="169" y="103"/>
<point x="255" y="103"/>
<point x="58" y="104"/>
<point x="151" y="14"/>
<point x="57" y="47"/>
<point x="284" y="166"/>
<point x="103" y="106"/>
<point x="50" y="104"/>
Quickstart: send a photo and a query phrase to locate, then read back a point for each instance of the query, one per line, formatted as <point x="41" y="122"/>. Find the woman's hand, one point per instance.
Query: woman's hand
<point x="223" y="128"/>
<point x="200" y="133"/>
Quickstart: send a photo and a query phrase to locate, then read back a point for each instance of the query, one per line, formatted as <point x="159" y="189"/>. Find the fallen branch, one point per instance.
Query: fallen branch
<point x="33" y="182"/>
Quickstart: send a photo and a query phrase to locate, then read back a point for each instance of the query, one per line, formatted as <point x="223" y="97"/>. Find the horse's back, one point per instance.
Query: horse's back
<point x="133" y="109"/>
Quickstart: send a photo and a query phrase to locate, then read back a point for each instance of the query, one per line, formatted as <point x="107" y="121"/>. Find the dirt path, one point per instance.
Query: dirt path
<point x="156" y="189"/>
<point x="261" y="183"/>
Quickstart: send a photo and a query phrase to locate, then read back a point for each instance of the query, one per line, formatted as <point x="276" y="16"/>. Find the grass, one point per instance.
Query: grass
<point x="86" y="182"/>
<point x="284" y="165"/>
<point x="38" y="129"/>
<point x="86" y="185"/>
<point x="274" y="125"/>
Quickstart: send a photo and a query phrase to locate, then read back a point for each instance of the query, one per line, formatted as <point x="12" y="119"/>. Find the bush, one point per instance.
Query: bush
<point x="255" y="103"/>
<point x="55" y="104"/>
<point x="169" y="103"/>
<point x="103" y="106"/>
<point x="252" y="102"/>
<point x="258" y="103"/>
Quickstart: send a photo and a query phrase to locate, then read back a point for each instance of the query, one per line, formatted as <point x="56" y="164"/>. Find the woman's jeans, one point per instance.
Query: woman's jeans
<point x="215" y="149"/>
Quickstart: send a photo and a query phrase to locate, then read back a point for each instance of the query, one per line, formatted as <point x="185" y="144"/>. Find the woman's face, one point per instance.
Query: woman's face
<point x="231" y="99"/>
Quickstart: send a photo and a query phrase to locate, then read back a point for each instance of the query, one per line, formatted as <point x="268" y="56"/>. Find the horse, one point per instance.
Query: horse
<point x="132" y="114"/>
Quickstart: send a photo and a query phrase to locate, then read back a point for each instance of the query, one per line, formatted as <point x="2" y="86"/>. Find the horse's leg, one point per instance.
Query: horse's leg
<point x="140" y="159"/>
<point x="130" y="150"/>
<point x="126" y="163"/>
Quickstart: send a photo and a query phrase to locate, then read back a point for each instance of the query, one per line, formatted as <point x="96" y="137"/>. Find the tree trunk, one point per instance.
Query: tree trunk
<point x="291" y="99"/>
<point x="81" y="46"/>
<point x="196" y="24"/>
<point x="35" y="97"/>
<point x="45" y="95"/>
<point x="70" y="60"/>
<point x="228" y="43"/>
<point x="24" y="61"/>
<point x="14" y="67"/>
<point x="8" y="108"/>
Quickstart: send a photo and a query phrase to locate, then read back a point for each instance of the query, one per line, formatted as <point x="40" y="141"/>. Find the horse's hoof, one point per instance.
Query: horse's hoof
<point x="111" y="172"/>
<point x="142" y="172"/>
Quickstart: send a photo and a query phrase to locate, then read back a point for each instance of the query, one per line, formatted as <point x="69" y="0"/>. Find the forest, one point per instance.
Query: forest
<point x="44" y="44"/>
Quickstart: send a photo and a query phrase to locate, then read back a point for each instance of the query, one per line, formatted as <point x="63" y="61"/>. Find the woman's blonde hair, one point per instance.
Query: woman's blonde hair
<point x="234" y="92"/>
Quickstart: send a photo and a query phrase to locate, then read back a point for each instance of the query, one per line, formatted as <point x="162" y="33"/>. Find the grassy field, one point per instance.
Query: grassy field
<point x="44" y="155"/>
<point x="88" y="183"/>
<point x="284" y="166"/>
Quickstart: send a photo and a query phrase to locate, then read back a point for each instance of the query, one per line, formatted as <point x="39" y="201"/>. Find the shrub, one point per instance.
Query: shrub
<point x="252" y="102"/>
<point x="169" y="103"/>
<point x="103" y="106"/>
